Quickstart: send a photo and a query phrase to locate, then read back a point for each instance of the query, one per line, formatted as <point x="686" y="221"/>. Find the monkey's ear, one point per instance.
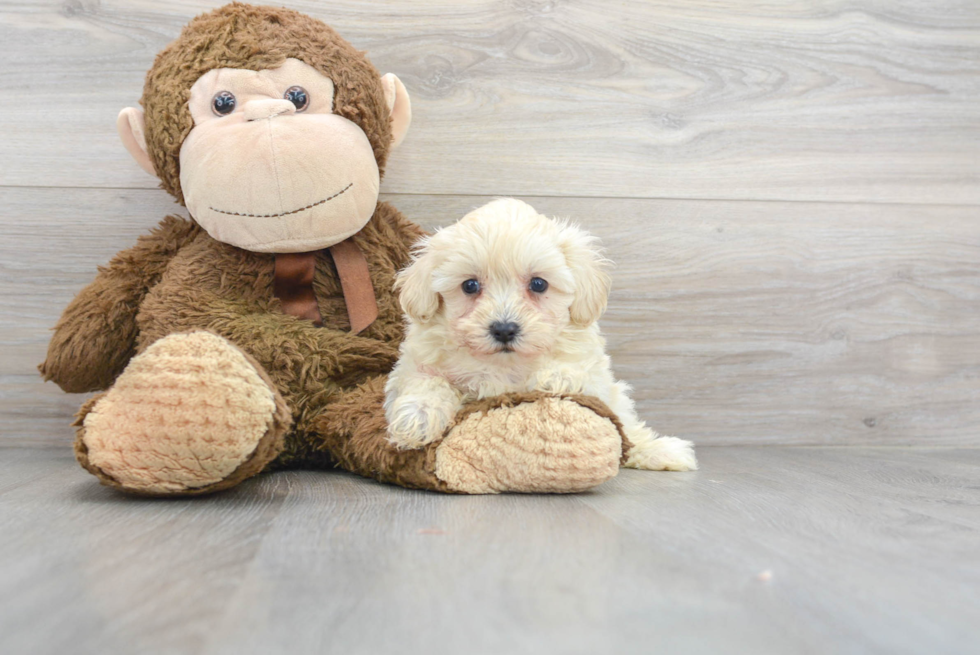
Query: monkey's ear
<point x="133" y="134"/>
<point x="414" y="286"/>
<point x="399" y="107"/>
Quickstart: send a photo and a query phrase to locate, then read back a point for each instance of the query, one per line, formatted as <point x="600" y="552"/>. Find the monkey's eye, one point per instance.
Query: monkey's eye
<point x="538" y="285"/>
<point x="470" y="287"/>
<point x="223" y="103"/>
<point x="298" y="96"/>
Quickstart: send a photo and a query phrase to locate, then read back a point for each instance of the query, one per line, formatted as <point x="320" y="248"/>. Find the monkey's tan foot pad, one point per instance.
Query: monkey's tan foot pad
<point x="191" y="414"/>
<point x="531" y="443"/>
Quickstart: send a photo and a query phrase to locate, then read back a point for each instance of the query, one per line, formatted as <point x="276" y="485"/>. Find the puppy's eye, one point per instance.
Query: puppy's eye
<point x="470" y="287"/>
<point x="538" y="285"/>
<point x="223" y="103"/>
<point x="298" y="96"/>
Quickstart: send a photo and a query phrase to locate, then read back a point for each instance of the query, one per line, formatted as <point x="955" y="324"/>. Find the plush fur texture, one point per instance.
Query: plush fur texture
<point x="213" y="405"/>
<point x="268" y="177"/>
<point x="451" y="357"/>
<point x="579" y="450"/>
<point x="210" y="308"/>
<point x="255" y="38"/>
<point x="96" y="335"/>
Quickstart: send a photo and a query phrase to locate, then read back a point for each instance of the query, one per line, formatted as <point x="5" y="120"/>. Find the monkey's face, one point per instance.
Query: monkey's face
<point x="244" y="125"/>
<point x="269" y="167"/>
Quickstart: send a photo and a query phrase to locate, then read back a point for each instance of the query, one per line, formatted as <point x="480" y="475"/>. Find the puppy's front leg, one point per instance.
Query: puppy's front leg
<point x="419" y="410"/>
<point x="554" y="378"/>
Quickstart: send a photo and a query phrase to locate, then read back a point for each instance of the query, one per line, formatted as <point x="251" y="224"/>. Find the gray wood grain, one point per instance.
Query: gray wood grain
<point x="736" y="322"/>
<point x="860" y="550"/>
<point x="856" y="101"/>
<point x="74" y="545"/>
<point x="739" y="319"/>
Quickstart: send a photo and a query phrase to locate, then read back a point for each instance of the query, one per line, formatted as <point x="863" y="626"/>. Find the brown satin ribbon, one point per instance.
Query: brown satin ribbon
<point x="355" y="280"/>
<point x="294" y="285"/>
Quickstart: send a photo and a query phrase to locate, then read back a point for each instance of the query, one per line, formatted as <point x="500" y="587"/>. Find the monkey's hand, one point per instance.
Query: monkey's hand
<point x="296" y="347"/>
<point x="95" y="337"/>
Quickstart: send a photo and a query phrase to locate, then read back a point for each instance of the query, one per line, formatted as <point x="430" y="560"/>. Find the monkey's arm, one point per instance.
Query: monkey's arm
<point x="96" y="335"/>
<point x="301" y="356"/>
<point x="530" y="442"/>
<point x="306" y="355"/>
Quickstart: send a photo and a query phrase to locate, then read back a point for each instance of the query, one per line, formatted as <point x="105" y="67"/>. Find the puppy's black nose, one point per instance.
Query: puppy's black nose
<point x="504" y="332"/>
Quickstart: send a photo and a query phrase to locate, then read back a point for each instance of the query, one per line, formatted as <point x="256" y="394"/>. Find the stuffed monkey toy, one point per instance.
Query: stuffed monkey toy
<point x="257" y="335"/>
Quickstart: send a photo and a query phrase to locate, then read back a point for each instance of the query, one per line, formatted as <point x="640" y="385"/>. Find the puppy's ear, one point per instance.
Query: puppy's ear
<point x="414" y="286"/>
<point x="588" y="268"/>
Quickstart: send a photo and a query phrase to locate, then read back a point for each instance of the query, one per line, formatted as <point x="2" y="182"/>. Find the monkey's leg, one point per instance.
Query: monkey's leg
<point x="530" y="442"/>
<point x="191" y="414"/>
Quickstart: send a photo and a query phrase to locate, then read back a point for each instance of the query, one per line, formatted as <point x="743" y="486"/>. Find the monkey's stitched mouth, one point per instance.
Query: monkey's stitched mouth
<point x="295" y="211"/>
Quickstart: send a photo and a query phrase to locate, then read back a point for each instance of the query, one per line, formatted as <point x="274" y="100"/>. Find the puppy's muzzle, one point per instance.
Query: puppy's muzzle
<point x="504" y="332"/>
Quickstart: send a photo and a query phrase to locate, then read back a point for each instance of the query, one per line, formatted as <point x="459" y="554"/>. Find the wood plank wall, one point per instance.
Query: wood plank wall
<point x="790" y="191"/>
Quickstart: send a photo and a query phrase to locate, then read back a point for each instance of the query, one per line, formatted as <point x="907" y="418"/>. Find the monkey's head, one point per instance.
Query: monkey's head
<point x="271" y="129"/>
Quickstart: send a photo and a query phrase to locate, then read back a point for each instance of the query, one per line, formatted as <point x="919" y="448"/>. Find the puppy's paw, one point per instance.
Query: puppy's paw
<point x="655" y="453"/>
<point x="415" y="421"/>
<point x="557" y="381"/>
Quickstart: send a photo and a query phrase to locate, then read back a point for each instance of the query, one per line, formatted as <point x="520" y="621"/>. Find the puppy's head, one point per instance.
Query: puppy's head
<point x="506" y="279"/>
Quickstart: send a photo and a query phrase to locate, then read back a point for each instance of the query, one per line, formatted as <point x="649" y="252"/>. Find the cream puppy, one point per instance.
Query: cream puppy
<point x="507" y="300"/>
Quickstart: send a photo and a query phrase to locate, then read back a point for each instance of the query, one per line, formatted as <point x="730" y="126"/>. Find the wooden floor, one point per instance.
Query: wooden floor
<point x="791" y="194"/>
<point x="766" y="550"/>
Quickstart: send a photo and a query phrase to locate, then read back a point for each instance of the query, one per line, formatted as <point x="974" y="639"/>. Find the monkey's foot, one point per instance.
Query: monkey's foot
<point x="191" y="414"/>
<point x="530" y="443"/>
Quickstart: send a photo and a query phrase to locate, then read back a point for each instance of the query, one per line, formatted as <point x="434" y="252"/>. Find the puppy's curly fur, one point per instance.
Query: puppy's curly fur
<point x="508" y="300"/>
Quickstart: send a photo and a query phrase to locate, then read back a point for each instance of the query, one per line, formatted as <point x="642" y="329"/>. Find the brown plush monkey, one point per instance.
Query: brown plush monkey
<point x="258" y="334"/>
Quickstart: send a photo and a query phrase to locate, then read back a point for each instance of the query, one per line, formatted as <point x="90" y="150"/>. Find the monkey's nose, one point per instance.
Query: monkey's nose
<point x="504" y="332"/>
<point x="256" y="110"/>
